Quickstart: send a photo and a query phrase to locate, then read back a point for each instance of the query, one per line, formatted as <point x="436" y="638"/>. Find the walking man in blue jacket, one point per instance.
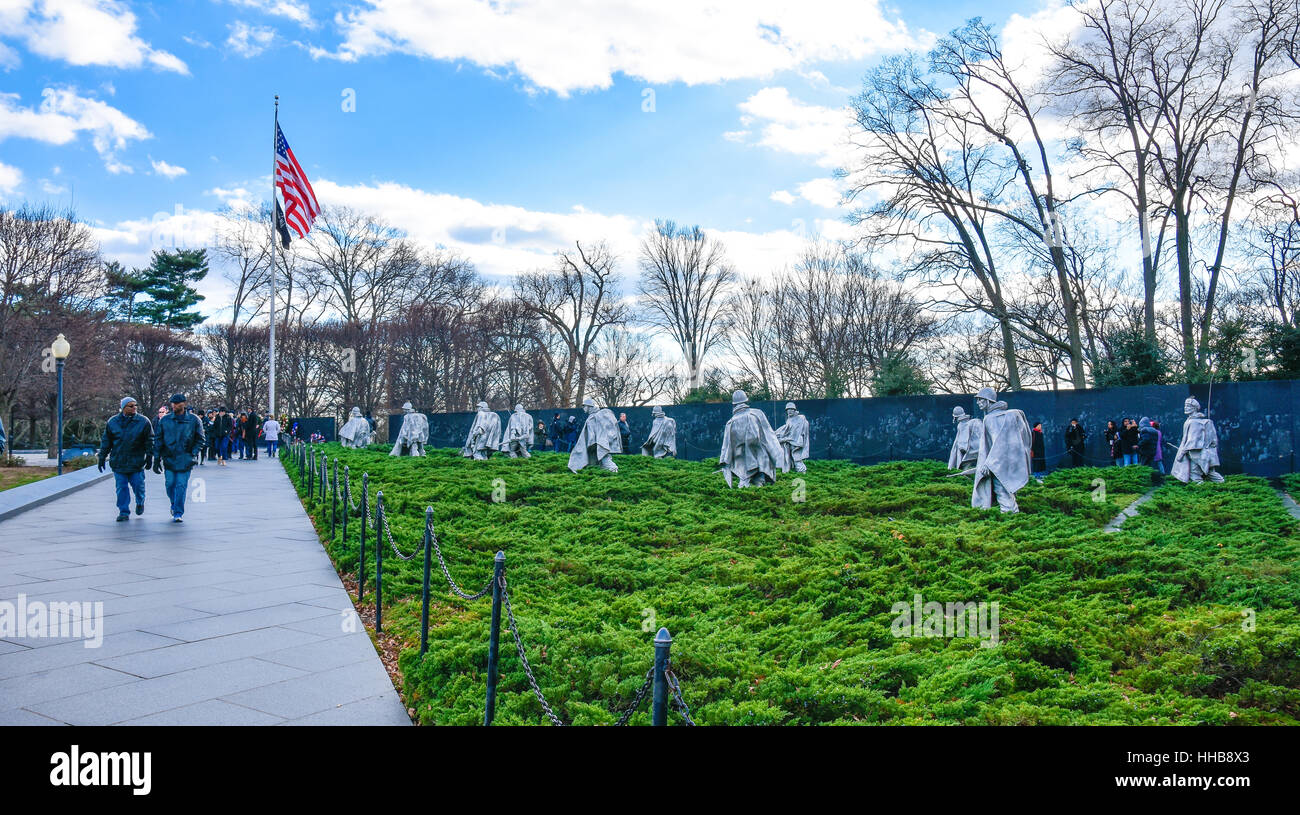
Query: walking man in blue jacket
<point x="176" y="449"/>
<point x="128" y="447"/>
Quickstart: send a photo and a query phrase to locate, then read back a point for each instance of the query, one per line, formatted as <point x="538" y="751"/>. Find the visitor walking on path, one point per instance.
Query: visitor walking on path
<point x="128" y="447"/>
<point x="271" y="431"/>
<point x="176" y="448"/>
<point x="251" y="429"/>
<point x="222" y="426"/>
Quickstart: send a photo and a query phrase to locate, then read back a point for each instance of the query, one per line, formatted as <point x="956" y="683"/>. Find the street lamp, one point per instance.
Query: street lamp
<point x="60" y="349"/>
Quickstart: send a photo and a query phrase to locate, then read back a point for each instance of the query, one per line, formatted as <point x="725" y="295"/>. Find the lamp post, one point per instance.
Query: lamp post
<point x="60" y="349"/>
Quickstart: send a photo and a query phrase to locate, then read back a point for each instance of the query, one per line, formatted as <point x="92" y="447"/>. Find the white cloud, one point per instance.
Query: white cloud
<point x="169" y="171"/>
<point x="737" y="136"/>
<point x="63" y="114"/>
<point x="50" y="188"/>
<point x="83" y="32"/>
<point x="249" y="40"/>
<point x="824" y="192"/>
<point x="580" y="45"/>
<point x="782" y="197"/>
<point x="10" y="178"/>
<point x="295" y="10"/>
<point x="500" y="239"/>
<point x="9" y="58"/>
<point x="791" y="126"/>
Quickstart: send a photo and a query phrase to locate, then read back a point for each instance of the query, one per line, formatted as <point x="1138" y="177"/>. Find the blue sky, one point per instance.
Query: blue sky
<point x="503" y="131"/>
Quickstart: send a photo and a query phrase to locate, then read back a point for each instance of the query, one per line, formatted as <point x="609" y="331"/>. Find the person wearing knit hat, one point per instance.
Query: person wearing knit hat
<point x="127" y="446"/>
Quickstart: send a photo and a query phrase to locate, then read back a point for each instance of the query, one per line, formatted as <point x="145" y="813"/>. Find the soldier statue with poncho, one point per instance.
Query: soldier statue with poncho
<point x="966" y="446"/>
<point x="1197" y="458"/>
<point x="484" y="435"/>
<point x="356" y="433"/>
<point x="1002" y="466"/>
<point x="663" y="436"/>
<point x="795" y="437"/>
<point x="599" y="439"/>
<point x="413" y="435"/>
<point x="751" y="453"/>
<point x="519" y="434"/>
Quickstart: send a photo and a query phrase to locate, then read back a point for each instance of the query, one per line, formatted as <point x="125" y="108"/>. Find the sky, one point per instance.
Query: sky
<point x="503" y="130"/>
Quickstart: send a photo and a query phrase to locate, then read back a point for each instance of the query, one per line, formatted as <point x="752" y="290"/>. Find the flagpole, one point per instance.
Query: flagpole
<point x="275" y="136"/>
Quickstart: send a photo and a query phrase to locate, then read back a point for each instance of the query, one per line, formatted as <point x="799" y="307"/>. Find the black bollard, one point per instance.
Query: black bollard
<point x="334" y="499"/>
<point x="361" y="562"/>
<point x="379" y="562"/>
<point x="347" y="500"/>
<point x="428" y="555"/>
<point x="311" y="484"/>
<point x="498" y="573"/>
<point x="663" y="642"/>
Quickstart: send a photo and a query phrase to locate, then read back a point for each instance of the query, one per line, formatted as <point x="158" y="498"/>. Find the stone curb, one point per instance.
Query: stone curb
<point x="29" y="496"/>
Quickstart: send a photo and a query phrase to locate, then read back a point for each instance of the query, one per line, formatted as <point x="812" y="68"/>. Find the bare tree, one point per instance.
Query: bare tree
<point x="685" y="280"/>
<point x="573" y="302"/>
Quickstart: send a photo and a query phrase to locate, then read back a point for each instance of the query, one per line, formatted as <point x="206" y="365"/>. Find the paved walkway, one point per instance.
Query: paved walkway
<point x="234" y="617"/>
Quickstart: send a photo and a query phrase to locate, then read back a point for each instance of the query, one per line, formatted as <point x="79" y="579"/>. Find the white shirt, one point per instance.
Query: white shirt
<point x="272" y="429"/>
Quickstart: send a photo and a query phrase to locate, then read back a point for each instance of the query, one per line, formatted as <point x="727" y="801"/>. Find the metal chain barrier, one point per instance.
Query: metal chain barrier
<point x="447" y="574"/>
<point x="347" y="491"/>
<point x="640" y="696"/>
<point x="676" y="688"/>
<point x="523" y="657"/>
<point x="388" y="533"/>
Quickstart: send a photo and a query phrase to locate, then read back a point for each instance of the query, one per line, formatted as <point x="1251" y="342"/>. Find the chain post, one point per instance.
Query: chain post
<point x="379" y="562"/>
<point x="428" y="562"/>
<point x="498" y="577"/>
<point x="663" y="642"/>
<point x="334" y="499"/>
<point x="347" y="500"/>
<point x="302" y="463"/>
<point x="365" y="513"/>
<point x="311" y="484"/>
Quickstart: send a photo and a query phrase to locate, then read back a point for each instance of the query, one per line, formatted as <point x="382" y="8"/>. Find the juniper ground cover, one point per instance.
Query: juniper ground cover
<point x="780" y="599"/>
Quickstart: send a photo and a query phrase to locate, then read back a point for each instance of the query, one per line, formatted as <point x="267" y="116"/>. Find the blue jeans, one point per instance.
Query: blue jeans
<point x="1130" y="459"/>
<point x="125" y="483"/>
<point x="271" y="446"/>
<point x="178" y="483"/>
<point x="223" y="447"/>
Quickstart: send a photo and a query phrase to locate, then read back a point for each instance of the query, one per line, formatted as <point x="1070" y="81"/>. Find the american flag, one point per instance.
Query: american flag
<point x="300" y="207"/>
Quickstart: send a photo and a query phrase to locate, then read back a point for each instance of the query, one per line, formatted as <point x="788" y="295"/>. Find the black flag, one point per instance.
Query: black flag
<point x="281" y="226"/>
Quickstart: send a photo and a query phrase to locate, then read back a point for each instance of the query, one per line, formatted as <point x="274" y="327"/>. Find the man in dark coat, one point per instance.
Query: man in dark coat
<point x="557" y="435"/>
<point x="1075" y="436"/>
<point x="252" y="430"/>
<point x="176" y="448"/>
<point x="221" y="428"/>
<point x="128" y="446"/>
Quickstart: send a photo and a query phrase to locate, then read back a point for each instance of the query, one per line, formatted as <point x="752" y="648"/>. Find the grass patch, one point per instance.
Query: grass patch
<point x="780" y="609"/>
<point x="17" y="476"/>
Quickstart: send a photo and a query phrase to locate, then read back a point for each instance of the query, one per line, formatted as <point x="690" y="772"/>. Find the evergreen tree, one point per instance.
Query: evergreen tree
<point x="168" y="286"/>
<point x="123" y="289"/>
<point x="1134" y="360"/>
<point x="899" y="376"/>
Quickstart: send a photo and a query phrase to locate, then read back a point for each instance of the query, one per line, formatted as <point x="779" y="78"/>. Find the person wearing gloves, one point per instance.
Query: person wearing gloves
<point x="128" y="448"/>
<point x="176" y="449"/>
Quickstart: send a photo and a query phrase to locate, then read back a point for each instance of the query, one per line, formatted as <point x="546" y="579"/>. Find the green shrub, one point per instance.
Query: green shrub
<point x="781" y="609"/>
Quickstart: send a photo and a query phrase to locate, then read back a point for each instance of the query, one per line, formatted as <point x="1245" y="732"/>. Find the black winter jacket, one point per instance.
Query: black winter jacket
<point x="127" y="443"/>
<point x="178" y="441"/>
